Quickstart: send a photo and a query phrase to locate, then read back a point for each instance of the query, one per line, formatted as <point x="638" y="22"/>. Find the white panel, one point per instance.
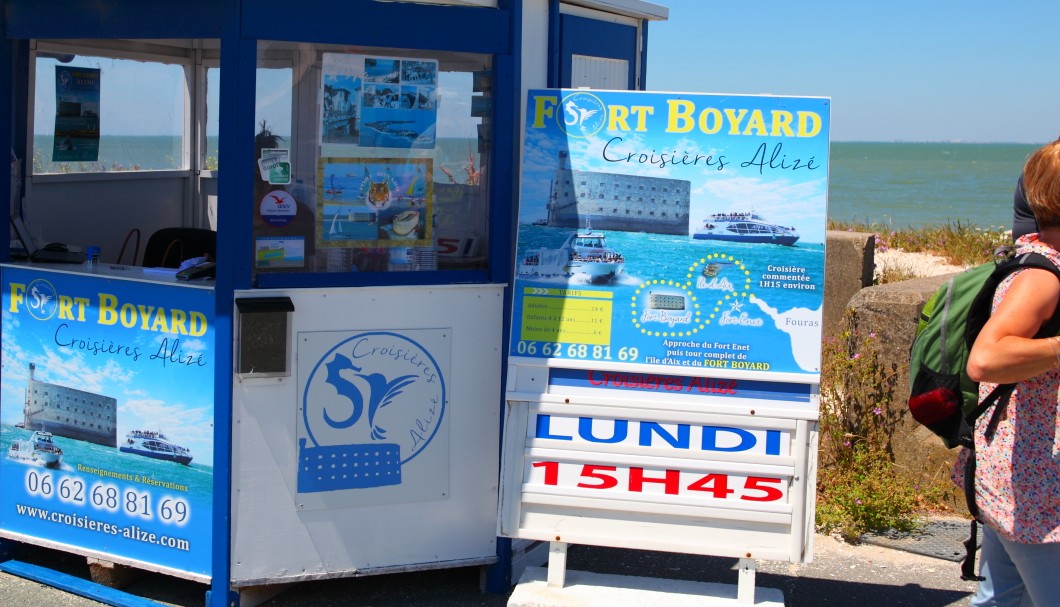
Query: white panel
<point x="355" y="531"/>
<point x="630" y="10"/>
<point x="59" y="209"/>
<point x="599" y="73"/>
<point x="645" y="477"/>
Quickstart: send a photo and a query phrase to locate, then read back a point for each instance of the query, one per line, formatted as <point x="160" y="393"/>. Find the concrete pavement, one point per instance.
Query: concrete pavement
<point x="841" y="574"/>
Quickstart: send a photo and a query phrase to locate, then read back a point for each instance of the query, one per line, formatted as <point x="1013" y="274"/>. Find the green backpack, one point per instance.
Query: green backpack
<point x="942" y="396"/>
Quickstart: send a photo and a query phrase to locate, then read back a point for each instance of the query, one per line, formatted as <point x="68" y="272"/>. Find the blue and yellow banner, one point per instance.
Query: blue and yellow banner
<point x="106" y="416"/>
<point x="682" y="230"/>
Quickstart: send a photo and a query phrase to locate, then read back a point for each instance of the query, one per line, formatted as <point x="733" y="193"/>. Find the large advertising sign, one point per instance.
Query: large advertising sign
<point x="682" y="230"/>
<point x="666" y="330"/>
<point x="106" y="417"/>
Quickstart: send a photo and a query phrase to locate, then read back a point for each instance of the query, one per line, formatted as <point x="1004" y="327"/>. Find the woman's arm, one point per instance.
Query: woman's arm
<point x="1005" y="351"/>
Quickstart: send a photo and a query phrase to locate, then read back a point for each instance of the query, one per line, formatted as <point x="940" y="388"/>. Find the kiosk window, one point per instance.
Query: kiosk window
<point x="97" y="114"/>
<point x="381" y="165"/>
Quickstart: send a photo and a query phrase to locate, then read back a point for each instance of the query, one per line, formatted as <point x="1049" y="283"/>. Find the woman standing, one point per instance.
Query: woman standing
<point x="1017" y="478"/>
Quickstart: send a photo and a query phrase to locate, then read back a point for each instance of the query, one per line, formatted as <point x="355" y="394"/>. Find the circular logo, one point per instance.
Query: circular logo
<point x="375" y="389"/>
<point x="65" y="80"/>
<point x="41" y="299"/>
<point x="582" y="115"/>
<point x="278" y="208"/>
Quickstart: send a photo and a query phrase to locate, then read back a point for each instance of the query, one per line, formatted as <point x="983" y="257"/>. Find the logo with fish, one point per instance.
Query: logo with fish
<point x="583" y="114"/>
<point x="371" y="404"/>
<point x="42" y="300"/>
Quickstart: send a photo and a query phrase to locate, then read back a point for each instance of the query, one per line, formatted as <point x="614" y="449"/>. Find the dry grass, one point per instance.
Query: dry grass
<point x="959" y="244"/>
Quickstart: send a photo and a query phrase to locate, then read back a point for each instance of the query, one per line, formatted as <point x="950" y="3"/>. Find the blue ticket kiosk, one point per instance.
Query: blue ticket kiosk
<point x="322" y="373"/>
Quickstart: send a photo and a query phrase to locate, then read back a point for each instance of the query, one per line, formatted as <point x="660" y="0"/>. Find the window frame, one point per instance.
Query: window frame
<point x="100" y="48"/>
<point x="424" y="27"/>
<point x="310" y="278"/>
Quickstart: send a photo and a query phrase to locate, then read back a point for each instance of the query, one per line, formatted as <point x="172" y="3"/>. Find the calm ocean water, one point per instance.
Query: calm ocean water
<point x="922" y="184"/>
<point x="898" y="184"/>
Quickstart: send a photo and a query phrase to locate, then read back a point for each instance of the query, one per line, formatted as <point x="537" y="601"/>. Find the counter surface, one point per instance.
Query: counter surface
<point x="121" y="272"/>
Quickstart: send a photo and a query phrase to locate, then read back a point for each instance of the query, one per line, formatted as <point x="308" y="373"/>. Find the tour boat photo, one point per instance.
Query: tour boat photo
<point x="583" y="252"/>
<point x="39" y="448"/>
<point x="747" y="227"/>
<point x="154" y="444"/>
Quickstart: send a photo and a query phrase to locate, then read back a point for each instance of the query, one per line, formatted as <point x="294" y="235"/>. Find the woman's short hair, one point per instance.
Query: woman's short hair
<point x="1041" y="183"/>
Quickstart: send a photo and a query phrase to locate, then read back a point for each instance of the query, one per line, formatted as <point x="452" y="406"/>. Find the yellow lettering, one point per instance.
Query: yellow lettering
<point x="66" y="308"/>
<point x="178" y="320"/>
<point x="17" y="297"/>
<point x="616" y="118"/>
<point x="81" y="302"/>
<point x="757" y="123"/>
<point x="809" y="124"/>
<point x="710" y="121"/>
<point x="544" y="107"/>
<point x="108" y="305"/>
<point x="679" y="116"/>
<point x="782" y="124"/>
<point x="642" y="112"/>
<point x="144" y="313"/>
<point x="735" y="118"/>
<point x="197" y="326"/>
<point x="127" y="315"/>
<point x="159" y="322"/>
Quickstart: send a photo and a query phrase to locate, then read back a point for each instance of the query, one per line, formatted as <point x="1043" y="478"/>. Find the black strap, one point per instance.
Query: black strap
<point x="968" y="563"/>
<point x="971" y="544"/>
<point x="1000" y="395"/>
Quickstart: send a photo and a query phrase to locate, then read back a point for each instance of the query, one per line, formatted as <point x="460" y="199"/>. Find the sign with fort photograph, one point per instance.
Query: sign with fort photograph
<point x="680" y="230"/>
<point x="106" y="418"/>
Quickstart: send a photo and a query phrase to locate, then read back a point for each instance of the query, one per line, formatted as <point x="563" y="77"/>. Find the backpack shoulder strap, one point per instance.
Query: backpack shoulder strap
<point x="981" y="307"/>
<point x="1037" y="260"/>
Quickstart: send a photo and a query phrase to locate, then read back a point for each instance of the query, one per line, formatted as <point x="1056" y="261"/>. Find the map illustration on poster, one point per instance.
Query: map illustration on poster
<point x="682" y="230"/>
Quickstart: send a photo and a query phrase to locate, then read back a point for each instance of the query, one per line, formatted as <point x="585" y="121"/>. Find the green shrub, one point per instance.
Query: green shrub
<point x="859" y="487"/>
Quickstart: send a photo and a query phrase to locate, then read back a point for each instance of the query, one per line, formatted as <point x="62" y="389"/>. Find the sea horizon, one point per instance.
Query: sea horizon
<point x="884" y="183"/>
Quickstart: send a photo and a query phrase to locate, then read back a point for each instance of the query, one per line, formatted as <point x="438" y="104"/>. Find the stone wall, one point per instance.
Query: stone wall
<point x="848" y="268"/>
<point x="891" y="311"/>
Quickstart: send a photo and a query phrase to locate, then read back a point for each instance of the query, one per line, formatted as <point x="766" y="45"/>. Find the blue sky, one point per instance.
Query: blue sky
<point x="901" y="70"/>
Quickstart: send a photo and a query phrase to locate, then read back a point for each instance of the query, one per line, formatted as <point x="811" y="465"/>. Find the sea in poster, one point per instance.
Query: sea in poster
<point x="699" y="235"/>
<point x="128" y="360"/>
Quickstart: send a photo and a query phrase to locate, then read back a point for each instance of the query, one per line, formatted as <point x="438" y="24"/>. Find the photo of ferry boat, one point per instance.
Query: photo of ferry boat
<point x="37" y="449"/>
<point x="749" y="227"/>
<point x="155" y="444"/>
<point x="584" y="252"/>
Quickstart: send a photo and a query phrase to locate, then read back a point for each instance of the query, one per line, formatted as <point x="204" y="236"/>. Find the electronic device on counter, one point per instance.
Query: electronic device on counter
<point x="207" y="269"/>
<point x="53" y="253"/>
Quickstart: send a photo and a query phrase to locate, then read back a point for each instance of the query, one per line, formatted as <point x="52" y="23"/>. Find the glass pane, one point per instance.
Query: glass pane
<point x="99" y="114"/>
<point x="384" y="167"/>
<point x="213" y="109"/>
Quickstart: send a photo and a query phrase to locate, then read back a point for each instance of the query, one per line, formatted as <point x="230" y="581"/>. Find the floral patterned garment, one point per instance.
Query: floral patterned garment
<point x="1017" y="480"/>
